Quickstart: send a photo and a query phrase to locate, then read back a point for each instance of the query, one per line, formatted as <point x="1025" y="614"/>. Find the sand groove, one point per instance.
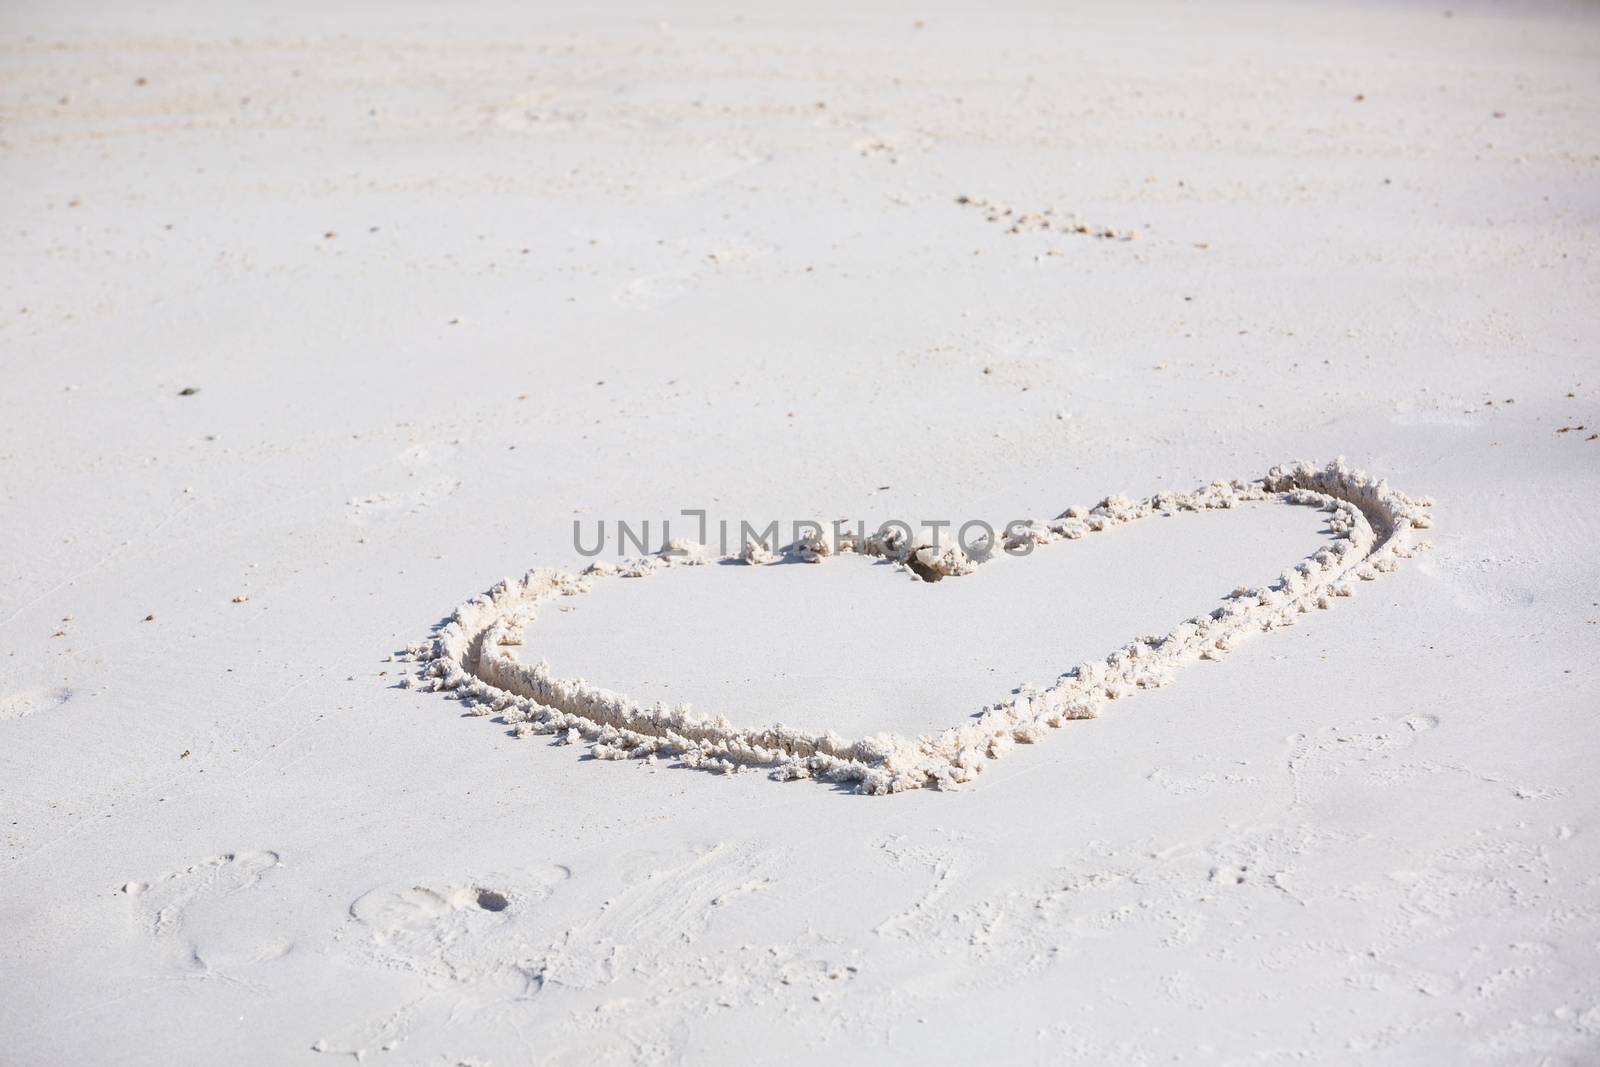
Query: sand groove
<point x="472" y="656"/>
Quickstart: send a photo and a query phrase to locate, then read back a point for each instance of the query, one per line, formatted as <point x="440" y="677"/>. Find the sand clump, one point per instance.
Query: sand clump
<point x="1047" y="220"/>
<point x="1374" y="527"/>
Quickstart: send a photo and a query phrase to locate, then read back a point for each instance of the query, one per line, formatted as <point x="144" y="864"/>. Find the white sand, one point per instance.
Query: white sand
<point x="447" y="278"/>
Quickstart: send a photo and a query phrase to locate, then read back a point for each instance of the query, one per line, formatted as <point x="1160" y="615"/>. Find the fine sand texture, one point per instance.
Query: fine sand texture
<point x="1264" y="731"/>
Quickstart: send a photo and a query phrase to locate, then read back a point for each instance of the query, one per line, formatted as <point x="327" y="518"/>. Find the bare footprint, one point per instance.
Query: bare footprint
<point x="389" y="911"/>
<point x="17" y="705"/>
<point x="195" y="913"/>
<point x="451" y="930"/>
<point x="479" y="944"/>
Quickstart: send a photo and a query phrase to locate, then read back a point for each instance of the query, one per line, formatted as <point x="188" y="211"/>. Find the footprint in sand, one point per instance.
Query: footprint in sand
<point x="194" y="912"/>
<point x="17" y="705"/>
<point x="477" y="943"/>
<point x="449" y="929"/>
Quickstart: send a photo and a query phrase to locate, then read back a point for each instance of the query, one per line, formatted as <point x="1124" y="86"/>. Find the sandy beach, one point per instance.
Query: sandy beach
<point x="336" y="337"/>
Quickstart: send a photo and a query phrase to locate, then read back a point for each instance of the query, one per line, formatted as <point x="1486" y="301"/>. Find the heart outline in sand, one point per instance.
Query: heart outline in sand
<point x="470" y="654"/>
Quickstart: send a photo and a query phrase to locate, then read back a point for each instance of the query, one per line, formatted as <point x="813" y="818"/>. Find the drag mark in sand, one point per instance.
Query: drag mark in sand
<point x="472" y="656"/>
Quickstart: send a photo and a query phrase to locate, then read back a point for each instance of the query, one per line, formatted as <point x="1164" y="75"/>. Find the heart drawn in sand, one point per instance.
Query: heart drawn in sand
<point x="473" y="654"/>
